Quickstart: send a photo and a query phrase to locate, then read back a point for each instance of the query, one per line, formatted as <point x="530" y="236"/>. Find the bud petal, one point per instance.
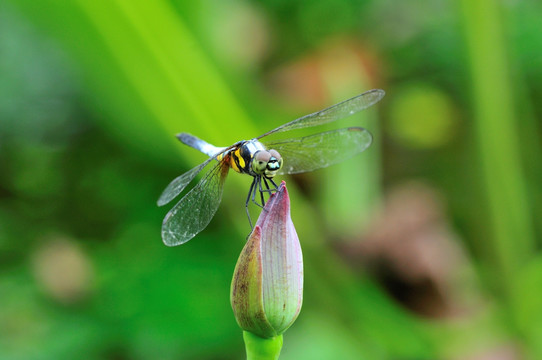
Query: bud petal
<point x="267" y="286"/>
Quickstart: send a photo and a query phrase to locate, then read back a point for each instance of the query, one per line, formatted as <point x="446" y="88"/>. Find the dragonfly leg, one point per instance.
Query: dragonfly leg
<point x="266" y="185"/>
<point x="269" y="190"/>
<point x="252" y="186"/>
<point x="275" y="185"/>
<point x="257" y="185"/>
<point x="261" y="190"/>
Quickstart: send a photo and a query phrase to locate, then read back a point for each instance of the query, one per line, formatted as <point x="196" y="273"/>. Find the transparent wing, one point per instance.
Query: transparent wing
<point x="320" y="150"/>
<point x="332" y="113"/>
<point x="196" y="209"/>
<point x="179" y="183"/>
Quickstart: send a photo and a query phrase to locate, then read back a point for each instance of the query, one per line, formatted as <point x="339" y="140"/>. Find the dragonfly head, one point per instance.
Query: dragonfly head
<point x="267" y="163"/>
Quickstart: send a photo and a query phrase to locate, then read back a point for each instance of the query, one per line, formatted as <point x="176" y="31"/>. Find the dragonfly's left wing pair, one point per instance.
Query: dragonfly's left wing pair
<point x="196" y="209"/>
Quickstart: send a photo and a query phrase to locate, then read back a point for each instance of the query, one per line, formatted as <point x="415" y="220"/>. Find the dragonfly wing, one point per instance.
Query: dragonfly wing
<point x="196" y="209"/>
<point x="320" y="150"/>
<point x="332" y="113"/>
<point x="178" y="184"/>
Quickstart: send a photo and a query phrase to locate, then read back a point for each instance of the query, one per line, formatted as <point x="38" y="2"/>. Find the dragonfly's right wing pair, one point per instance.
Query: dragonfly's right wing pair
<point x="320" y="150"/>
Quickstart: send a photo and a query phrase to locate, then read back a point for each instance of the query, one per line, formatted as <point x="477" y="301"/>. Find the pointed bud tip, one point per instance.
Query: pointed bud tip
<point x="277" y="207"/>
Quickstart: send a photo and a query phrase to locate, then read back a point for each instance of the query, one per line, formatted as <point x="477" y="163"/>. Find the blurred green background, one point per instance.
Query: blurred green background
<point x="426" y="246"/>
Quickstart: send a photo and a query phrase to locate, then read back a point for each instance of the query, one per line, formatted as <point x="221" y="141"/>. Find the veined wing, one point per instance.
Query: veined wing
<point x="320" y="150"/>
<point x="332" y="113"/>
<point x="178" y="184"/>
<point x="196" y="209"/>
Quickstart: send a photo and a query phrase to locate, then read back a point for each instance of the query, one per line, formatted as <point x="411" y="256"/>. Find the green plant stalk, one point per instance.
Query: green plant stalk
<point x="145" y="70"/>
<point x="511" y="240"/>
<point x="259" y="348"/>
<point x="359" y="177"/>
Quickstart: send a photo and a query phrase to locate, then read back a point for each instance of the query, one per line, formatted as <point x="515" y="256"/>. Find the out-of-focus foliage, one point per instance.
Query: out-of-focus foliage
<point x="426" y="246"/>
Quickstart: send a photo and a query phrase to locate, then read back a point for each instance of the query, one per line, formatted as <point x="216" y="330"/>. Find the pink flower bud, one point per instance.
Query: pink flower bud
<point x="267" y="285"/>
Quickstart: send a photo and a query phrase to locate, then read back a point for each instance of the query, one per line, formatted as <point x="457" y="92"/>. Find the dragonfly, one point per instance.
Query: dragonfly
<point x="262" y="160"/>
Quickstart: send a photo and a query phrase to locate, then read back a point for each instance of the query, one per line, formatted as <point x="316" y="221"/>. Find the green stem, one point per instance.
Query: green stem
<point x="262" y="349"/>
<point x="342" y="79"/>
<point x="499" y="145"/>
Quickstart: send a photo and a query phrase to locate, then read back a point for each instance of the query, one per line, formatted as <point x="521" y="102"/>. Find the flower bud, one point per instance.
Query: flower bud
<point x="267" y="285"/>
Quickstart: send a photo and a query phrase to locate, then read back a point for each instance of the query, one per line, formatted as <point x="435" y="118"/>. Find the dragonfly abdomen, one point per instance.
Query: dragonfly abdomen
<point x="198" y="144"/>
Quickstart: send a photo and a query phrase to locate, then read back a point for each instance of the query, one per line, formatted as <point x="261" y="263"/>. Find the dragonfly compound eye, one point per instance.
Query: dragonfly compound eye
<point x="260" y="161"/>
<point x="274" y="163"/>
<point x="275" y="154"/>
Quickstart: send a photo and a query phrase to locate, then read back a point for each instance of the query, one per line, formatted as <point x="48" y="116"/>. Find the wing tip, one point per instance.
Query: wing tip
<point x="170" y="244"/>
<point x="170" y="240"/>
<point x="363" y="132"/>
<point x="378" y="92"/>
<point x="161" y="202"/>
